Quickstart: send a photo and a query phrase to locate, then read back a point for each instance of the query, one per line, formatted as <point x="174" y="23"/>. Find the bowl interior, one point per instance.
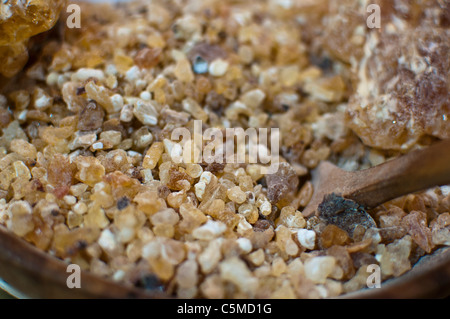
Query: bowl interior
<point x="30" y="273"/>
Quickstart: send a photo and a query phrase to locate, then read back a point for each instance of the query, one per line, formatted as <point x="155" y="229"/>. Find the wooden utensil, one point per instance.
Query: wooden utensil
<point x="415" y="171"/>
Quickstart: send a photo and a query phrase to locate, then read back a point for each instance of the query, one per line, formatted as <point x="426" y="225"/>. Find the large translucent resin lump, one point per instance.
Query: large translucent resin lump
<point x="402" y="87"/>
<point x="20" y="20"/>
<point x="399" y="71"/>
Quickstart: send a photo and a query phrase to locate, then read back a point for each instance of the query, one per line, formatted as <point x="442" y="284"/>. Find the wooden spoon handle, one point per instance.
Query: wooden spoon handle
<point x="413" y="172"/>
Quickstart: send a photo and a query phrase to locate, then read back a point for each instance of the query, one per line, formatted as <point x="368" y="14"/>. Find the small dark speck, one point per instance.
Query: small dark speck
<point x="58" y="99"/>
<point x="81" y="244"/>
<point x="78" y="246"/>
<point x="80" y="90"/>
<point x="215" y="167"/>
<point x="38" y="185"/>
<point x="55" y="212"/>
<point x="150" y="282"/>
<point x="222" y="35"/>
<point x="143" y="10"/>
<point x="261" y="225"/>
<point x="122" y="203"/>
<point x="163" y="191"/>
<point x="262" y="182"/>
<point x="136" y="173"/>
<point x="324" y="63"/>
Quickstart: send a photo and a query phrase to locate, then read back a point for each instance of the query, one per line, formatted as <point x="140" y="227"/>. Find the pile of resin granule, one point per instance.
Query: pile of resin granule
<point x="86" y="172"/>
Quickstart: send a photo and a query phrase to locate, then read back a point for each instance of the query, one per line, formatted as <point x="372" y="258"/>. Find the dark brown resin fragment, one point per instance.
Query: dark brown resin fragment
<point x="91" y="117"/>
<point x="362" y="259"/>
<point x="176" y="178"/>
<point x="5" y="117"/>
<point x="344" y="213"/>
<point x="262" y="225"/>
<point x="282" y="184"/>
<point x="147" y="58"/>
<point x="123" y="202"/>
<point x="215" y="167"/>
<point x="150" y="282"/>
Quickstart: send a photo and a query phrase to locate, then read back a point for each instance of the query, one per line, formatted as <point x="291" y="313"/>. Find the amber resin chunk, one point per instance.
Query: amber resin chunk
<point x="21" y="20"/>
<point x="399" y="71"/>
<point x="402" y="86"/>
